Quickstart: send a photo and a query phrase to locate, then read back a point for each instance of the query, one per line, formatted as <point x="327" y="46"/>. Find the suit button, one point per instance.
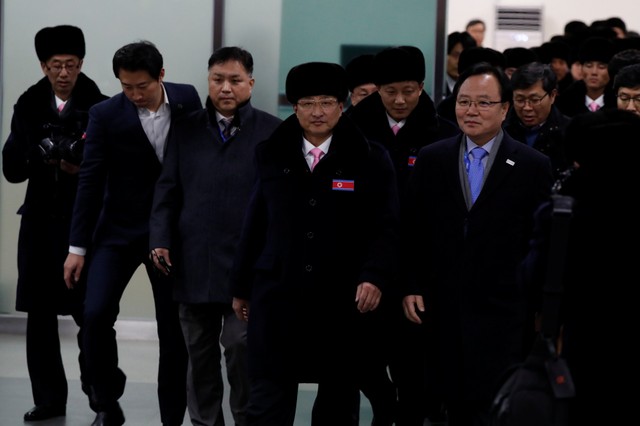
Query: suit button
<point x="309" y="235"/>
<point x="308" y="268"/>
<point x="312" y="202"/>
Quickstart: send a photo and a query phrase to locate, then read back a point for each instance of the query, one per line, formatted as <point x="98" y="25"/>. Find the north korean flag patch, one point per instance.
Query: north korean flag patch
<point x="343" y="185"/>
<point x="412" y="161"/>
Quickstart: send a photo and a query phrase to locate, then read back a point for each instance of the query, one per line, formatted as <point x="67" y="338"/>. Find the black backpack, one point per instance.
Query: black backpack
<point x="538" y="391"/>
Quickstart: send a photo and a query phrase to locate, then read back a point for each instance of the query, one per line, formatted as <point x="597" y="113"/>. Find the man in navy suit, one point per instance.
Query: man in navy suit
<point x="123" y="157"/>
<point x="465" y="290"/>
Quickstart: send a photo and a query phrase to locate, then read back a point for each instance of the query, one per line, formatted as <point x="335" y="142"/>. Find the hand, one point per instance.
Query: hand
<point x="411" y="305"/>
<point x="161" y="260"/>
<point x="68" y="167"/>
<point x="241" y="308"/>
<point x="367" y="297"/>
<point x="73" y="269"/>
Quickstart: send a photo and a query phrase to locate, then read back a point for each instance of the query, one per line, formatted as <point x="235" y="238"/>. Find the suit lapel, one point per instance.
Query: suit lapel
<point x="452" y="168"/>
<point x="503" y="165"/>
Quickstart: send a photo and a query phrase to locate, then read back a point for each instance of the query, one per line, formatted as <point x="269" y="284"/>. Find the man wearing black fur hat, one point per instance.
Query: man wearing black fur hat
<point x="592" y="92"/>
<point x="360" y="78"/>
<point x="316" y="254"/>
<point x="403" y="118"/>
<point x="45" y="148"/>
<point x="556" y="53"/>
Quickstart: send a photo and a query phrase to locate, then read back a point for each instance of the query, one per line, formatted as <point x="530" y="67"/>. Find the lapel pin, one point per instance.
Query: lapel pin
<point x="510" y="162"/>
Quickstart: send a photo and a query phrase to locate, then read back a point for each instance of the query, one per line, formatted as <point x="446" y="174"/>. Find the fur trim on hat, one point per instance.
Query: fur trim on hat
<point x="60" y="40"/>
<point x="316" y="79"/>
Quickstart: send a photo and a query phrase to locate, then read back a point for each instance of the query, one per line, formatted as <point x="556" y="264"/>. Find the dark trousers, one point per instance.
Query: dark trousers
<point x="374" y="344"/>
<point x="110" y="270"/>
<point x="205" y="327"/>
<point x="44" y="360"/>
<point x="273" y="403"/>
<point x="408" y="366"/>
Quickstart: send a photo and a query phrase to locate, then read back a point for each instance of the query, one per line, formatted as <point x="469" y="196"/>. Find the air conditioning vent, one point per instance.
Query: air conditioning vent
<point x="518" y="26"/>
<point x="518" y="18"/>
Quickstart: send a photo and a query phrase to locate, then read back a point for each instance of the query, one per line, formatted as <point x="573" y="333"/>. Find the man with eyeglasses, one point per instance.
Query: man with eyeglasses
<point x="45" y="148"/>
<point x="627" y="88"/>
<point x="533" y="119"/>
<point x="316" y="255"/>
<point x="465" y="289"/>
<point x="126" y="140"/>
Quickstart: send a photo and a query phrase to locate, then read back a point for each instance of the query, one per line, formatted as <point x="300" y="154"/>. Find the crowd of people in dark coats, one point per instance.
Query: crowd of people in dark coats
<point x="376" y="241"/>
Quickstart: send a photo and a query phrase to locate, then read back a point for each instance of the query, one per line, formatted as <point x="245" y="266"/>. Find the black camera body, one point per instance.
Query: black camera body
<point x="62" y="146"/>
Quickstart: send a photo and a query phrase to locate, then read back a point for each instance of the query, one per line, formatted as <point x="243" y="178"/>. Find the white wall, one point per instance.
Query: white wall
<point x="556" y="13"/>
<point x="255" y="26"/>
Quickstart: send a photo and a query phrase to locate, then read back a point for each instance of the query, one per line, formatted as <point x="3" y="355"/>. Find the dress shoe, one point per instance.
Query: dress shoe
<point x="112" y="417"/>
<point x="43" y="412"/>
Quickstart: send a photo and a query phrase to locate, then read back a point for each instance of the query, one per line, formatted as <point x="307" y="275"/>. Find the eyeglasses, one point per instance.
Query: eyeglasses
<point x="481" y="105"/>
<point x="625" y="99"/>
<point x="325" y="105"/>
<point x="533" y="100"/>
<point x="57" y="67"/>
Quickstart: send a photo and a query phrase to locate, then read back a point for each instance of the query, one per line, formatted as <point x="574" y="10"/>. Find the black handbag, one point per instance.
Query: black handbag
<point x="537" y="392"/>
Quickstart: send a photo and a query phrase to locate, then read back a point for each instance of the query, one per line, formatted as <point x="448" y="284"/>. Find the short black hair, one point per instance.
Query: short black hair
<point x="529" y="74"/>
<point x="481" y="68"/>
<point x="232" y="53"/>
<point x="475" y="22"/>
<point x="138" y="56"/>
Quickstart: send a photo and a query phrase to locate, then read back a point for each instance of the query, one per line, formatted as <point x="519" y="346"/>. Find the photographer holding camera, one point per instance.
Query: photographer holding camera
<point x="45" y="148"/>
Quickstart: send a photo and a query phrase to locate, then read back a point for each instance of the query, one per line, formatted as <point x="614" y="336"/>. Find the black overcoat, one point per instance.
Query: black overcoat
<point x="468" y="260"/>
<point x="422" y="127"/>
<point x="309" y="239"/>
<point x="43" y="242"/>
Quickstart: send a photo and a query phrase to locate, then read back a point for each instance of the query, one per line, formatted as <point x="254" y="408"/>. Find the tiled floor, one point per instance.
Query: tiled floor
<point x="138" y="359"/>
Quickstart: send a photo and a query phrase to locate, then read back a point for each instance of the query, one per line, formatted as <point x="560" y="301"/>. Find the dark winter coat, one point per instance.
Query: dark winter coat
<point x="307" y="244"/>
<point x="43" y="242"/>
<point x="571" y="101"/>
<point x="423" y="126"/>
<point x="550" y="139"/>
<point x="201" y="198"/>
<point x="468" y="260"/>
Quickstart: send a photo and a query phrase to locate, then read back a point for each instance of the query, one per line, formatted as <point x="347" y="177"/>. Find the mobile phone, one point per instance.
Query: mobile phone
<point x="164" y="264"/>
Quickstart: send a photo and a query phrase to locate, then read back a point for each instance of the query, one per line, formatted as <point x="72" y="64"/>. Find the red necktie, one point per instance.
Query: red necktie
<point x="61" y="106"/>
<point x="593" y="106"/>
<point x="395" y="128"/>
